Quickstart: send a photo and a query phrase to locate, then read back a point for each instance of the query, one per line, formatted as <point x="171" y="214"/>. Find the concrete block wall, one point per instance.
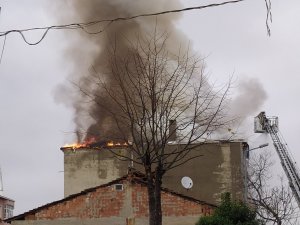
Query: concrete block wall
<point x="86" y="168"/>
<point x="221" y="168"/>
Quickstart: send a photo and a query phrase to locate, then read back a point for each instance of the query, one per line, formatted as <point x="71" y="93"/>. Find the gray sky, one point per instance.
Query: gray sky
<point x="33" y="125"/>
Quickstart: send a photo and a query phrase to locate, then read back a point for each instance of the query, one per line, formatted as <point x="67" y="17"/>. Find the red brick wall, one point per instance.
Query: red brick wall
<point x="104" y="202"/>
<point x="107" y="202"/>
<point x="140" y="201"/>
<point x="172" y="205"/>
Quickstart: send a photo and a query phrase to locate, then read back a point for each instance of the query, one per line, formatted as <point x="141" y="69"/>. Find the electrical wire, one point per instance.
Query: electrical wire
<point x="269" y="15"/>
<point x="107" y="22"/>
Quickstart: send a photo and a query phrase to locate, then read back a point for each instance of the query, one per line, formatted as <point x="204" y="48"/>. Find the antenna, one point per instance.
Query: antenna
<point x="187" y="182"/>
<point x="1" y="183"/>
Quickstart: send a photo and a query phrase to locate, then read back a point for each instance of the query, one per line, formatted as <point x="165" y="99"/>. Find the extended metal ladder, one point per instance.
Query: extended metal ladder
<point x="270" y="125"/>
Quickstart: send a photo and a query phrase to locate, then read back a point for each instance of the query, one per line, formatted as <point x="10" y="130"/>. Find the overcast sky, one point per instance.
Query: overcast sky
<point x="33" y="125"/>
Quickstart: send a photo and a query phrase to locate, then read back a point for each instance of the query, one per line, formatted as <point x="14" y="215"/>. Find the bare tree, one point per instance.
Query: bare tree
<point x="274" y="204"/>
<point x="145" y="90"/>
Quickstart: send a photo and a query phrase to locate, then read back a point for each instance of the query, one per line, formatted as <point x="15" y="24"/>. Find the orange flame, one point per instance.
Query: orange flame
<point x="113" y="144"/>
<point x="87" y="143"/>
<point x="84" y="144"/>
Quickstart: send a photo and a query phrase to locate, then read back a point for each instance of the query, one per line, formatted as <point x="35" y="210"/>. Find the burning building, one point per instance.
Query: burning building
<point x="138" y="71"/>
<point x="141" y="69"/>
<point x="97" y="193"/>
<point x="92" y="165"/>
<point x="220" y="169"/>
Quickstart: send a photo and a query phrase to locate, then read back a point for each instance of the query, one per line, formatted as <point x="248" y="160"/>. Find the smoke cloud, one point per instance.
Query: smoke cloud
<point x="90" y="119"/>
<point x="244" y="106"/>
<point x="251" y="96"/>
<point x="89" y="55"/>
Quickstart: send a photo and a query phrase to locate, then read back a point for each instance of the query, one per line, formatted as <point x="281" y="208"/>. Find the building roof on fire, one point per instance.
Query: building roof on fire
<point x="105" y="145"/>
<point x="133" y="176"/>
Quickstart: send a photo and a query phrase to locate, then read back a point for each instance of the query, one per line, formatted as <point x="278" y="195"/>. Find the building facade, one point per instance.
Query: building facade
<point x="6" y="208"/>
<point x="221" y="168"/>
<point x="89" y="167"/>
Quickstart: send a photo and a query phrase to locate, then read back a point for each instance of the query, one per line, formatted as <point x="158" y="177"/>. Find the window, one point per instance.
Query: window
<point x="8" y="211"/>
<point x="119" y="187"/>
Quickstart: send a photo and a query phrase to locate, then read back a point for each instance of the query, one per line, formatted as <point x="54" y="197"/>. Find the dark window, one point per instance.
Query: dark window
<point x="119" y="187"/>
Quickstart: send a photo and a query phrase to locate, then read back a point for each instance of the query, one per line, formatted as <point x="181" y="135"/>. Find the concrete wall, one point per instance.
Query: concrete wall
<point x="220" y="169"/>
<point x="85" y="168"/>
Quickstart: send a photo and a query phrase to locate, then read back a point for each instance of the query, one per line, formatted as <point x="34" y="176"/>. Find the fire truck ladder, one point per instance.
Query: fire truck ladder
<point x="270" y="125"/>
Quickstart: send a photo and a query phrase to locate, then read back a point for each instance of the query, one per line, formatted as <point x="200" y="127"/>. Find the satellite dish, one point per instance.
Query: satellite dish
<point x="187" y="182"/>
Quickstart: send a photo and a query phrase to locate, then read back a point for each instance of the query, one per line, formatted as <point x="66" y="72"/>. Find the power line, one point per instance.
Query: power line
<point x="107" y="22"/>
<point x="269" y="15"/>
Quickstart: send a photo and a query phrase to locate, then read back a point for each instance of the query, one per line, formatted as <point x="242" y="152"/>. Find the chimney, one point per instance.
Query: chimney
<point x="172" y="130"/>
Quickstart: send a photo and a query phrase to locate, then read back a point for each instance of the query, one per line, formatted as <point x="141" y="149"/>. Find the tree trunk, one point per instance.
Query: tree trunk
<point x="151" y="198"/>
<point x="154" y="194"/>
<point x="158" y="178"/>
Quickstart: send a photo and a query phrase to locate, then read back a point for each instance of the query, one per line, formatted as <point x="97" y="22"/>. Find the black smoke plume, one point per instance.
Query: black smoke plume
<point x="89" y="54"/>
